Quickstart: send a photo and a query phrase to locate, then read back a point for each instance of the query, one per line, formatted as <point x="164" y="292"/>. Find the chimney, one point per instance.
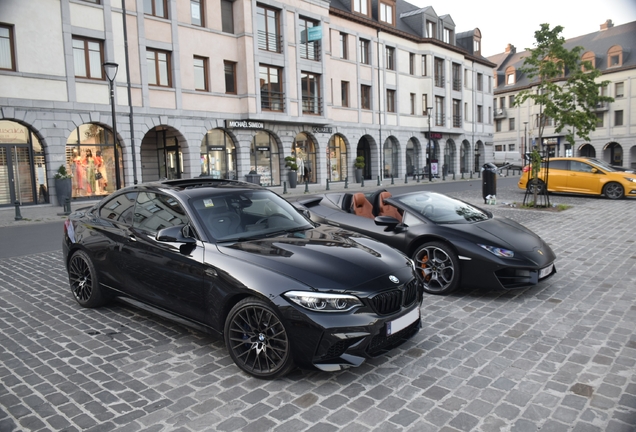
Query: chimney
<point x="510" y="49"/>
<point x="607" y="24"/>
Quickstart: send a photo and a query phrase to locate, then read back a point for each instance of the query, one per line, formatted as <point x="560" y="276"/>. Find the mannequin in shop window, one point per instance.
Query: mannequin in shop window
<point x="89" y="165"/>
<point x="77" y="171"/>
<point x="100" y="172"/>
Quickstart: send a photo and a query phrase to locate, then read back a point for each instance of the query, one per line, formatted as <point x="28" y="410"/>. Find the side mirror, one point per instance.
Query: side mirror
<point x="387" y="221"/>
<point x="594" y="170"/>
<point x="175" y="234"/>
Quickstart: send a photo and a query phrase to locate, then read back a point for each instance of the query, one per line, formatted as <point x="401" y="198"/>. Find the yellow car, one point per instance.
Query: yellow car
<point x="584" y="176"/>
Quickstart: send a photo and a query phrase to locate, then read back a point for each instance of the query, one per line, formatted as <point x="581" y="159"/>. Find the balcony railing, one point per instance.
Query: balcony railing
<point x="270" y="41"/>
<point x="439" y="119"/>
<point x="500" y="113"/>
<point x="312" y="105"/>
<point x="457" y="121"/>
<point x="457" y="84"/>
<point x="310" y="51"/>
<point x="272" y="101"/>
<point x="440" y="80"/>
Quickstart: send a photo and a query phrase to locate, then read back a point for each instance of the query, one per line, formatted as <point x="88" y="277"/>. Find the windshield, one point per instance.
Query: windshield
<point x="442" y="209"/>
<point x="602" y="164"/>
<point x="235" y="215"/>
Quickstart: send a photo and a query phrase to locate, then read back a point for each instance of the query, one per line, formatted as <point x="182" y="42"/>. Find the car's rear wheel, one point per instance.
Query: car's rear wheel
<point x="83" y="280"/>
<point x="536" y="185"/>
<point x="613" y="190"/>
<point x="438" y="268"/>
<point x="257" y="339"/>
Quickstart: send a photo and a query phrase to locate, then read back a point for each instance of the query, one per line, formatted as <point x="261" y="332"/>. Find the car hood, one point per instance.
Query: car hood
<point x="325" y="258"/>
<point x="502" y="232"/>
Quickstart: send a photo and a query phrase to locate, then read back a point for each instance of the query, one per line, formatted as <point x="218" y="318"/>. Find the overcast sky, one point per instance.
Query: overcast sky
<point x="503" y="22"/>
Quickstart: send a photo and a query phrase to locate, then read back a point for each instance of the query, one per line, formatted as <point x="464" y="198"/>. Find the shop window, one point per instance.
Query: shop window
<point x="218" y="155"/>
<point x="158" y="63"/>
<point x="391" y="153"/>
<point x="156" y="8"/>
<point x="337" y="159"/>
<point x="265" y="159"/>
<point x="304" y="150"/>
<point x="87" y="58"/>
<point x="197" y="12"/>
<point x="7" y="52"/>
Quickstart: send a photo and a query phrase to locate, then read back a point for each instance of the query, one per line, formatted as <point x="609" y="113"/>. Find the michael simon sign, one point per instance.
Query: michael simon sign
<point x="244" y="124"/>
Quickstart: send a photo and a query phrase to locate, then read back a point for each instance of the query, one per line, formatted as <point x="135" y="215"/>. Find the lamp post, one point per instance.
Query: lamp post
<point x="111" y="72"/>
<point x="525" y="143"/>
<point x="429" y="110"/>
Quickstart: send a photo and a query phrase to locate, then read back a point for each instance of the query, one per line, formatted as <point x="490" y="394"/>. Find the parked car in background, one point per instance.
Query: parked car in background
<point x="453" y="243"/>
<point x="581" y="176"/>
<point x="238" y="261"/>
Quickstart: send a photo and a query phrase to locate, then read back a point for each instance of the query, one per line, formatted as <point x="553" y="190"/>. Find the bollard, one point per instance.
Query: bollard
<point x="346" y="182"/>
<point x="379" y="181"/>
<point x="327" y="184"/>
<point x="462" y="175"/>
<point x="443" y="176"/>
<point x="418" y="177"/>
<point x="18" y="215"/>
<point x="471" y="174"/>
<point x="406" y="179"/>
<point x="453" y="175"/>
<point x="362" y="182"/>
<point x="67" y="206"/>
<point x="478" y="174"/>
<point x="392" y="181"/>
<point x="284" y="187"/>
<point x="306" y="186"/>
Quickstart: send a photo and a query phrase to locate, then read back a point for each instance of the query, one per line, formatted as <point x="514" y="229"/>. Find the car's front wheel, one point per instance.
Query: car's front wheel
<point x="613" y="191"/>
<point x="257" y="339"/>
<point x="83" y="280"/>
<point x="536" y="185"/>
<point x="438" y="268"/>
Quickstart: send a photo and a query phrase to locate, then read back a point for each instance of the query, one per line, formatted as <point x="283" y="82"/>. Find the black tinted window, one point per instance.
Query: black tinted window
<point x="157" y="211"/>
<point x="120" y="208"/>
<point x="558" y="164"/>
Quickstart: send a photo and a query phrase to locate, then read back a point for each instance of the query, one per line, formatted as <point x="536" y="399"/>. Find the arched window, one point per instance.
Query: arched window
<point x="615" y="56"/>
<point x="264" y="159"/>
<point x="391" y="152"/>
<point x="412" y="156"/>
<point x="90" y="157"/>
<point x="337" y="159"/>
<point x="304" y="150"/>
<point x="218" y="155"/>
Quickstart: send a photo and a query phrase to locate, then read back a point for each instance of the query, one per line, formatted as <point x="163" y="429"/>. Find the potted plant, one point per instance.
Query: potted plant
<point x="63" y="185"/>
<point x="359" y="164"/>
<point x="290" y="162"/>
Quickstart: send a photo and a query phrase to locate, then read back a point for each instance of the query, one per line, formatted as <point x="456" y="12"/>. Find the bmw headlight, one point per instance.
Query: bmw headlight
<point x="497" y="251"/>
<point x="323" y="302"/>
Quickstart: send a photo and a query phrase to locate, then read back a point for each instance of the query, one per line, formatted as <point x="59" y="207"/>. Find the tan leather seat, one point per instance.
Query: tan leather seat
<point x="362" y="206"/>
<point x="387" y="209"/>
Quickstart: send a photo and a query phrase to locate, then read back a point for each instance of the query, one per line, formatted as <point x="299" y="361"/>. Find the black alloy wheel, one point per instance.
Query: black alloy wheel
<point x="83" y="280"/>
<point x="437" y="267"/>
<point x="257" y="340"/>
<point x="613" y="191"/>
<point x="535" y="185"/>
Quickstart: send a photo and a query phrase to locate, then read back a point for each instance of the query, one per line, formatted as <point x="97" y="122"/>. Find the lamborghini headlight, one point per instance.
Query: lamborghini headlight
<point x="323" y="302"/>
<point x="497" y="251"/>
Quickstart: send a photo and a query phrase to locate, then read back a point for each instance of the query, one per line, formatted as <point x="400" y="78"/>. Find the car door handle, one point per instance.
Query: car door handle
<point x="132" y="238"/>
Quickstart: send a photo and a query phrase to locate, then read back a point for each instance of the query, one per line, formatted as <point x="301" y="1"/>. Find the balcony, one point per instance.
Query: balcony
<point x="439" y="119"/>
<point x="312" y="105"/>
<point x="457" y="84"/>
<point x="272" y="101"/>
<point x="457" y="121"/>
<point x="270" y="41"/>
<point x="440" y="80"/>
<point x="500" y="113"/>
<point x="601" y="106"/>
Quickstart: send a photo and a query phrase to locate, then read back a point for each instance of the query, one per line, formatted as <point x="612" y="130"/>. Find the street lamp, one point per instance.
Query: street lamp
<point x="525" y="143"/>
<point x="111" y="72"/>
<point x="429" y="110"/>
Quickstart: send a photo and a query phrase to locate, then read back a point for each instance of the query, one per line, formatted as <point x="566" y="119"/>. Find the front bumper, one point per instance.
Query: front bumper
<point x="337" y="341"/>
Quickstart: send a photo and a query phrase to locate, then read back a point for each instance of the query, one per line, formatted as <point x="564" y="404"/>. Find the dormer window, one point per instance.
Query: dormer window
<point x="431" y="30"/>
<point x="361" y="6"/>
<point x="588" y="57"/>
<point x="448" y="35"/>
<point x="615" y="56"/>
<point x="386" y="13"/>
<point x="511" y="75"/>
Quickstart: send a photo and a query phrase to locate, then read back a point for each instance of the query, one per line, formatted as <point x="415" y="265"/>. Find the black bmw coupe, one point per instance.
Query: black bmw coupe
<point x="453" y="243"/>
<point x="237" y="260"/>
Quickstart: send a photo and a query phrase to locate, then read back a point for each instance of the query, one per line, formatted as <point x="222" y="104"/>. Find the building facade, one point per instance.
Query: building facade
<point x="228" y="89"/>
<point x="614" y="140"/>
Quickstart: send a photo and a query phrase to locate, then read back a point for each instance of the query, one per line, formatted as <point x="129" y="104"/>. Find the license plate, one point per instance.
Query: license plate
<point x="546" y="271"/>
<point x="401" y="323"/>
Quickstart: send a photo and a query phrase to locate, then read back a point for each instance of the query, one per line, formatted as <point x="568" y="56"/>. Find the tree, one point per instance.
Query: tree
<point x="566" y="87"/>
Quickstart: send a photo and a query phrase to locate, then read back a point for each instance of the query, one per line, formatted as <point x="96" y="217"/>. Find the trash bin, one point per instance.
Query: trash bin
<point x="489" y="180"/>
<point x="253" y="178"/>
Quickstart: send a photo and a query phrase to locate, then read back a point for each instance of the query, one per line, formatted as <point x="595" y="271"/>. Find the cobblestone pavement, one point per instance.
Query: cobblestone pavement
<point x="560" y="356"/>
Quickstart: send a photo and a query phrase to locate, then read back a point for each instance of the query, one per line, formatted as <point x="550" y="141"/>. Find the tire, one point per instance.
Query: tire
<point x="537" y="184"/>
<point x="613" y="191"/>
<point x="83" y="281"/>
<point x="257" y="339"/>
<point x="437" y="267"/>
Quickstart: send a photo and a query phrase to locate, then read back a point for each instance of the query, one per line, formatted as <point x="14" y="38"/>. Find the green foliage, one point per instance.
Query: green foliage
<point x="359" y="163"/>
<point x="290" y="162"/>
<point x="567" y="89"/>
<point x="62" y="173"/>
<point x="535" y="163"/>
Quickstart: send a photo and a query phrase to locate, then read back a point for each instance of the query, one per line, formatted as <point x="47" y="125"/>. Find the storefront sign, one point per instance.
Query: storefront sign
<point x="433" y="135"/>
<point x="550" y="141"/>
<point x="244" y="124"/>
<point x="262" y="148"/>
<point x="216" y="148"/>
<point x="324" y="129"/>
<point x="13" y="134"/>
